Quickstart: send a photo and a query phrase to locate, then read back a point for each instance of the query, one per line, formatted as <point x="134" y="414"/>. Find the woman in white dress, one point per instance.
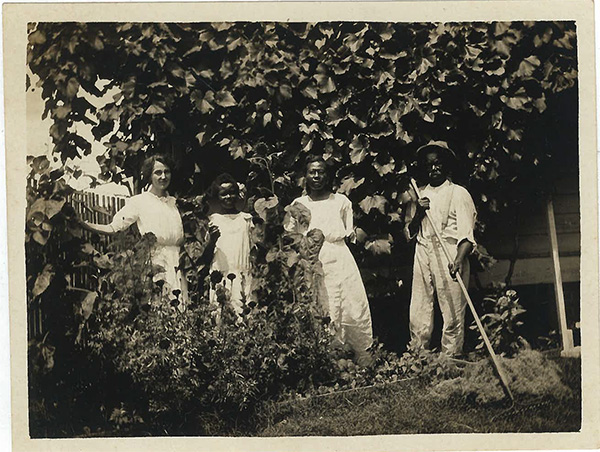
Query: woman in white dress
<point x="230" y="241"/>
<point x="155" y="211"/>
<point x="346" y="296"/>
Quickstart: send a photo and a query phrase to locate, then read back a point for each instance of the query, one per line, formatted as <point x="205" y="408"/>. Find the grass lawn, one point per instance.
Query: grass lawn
<point x="408" y="407"/>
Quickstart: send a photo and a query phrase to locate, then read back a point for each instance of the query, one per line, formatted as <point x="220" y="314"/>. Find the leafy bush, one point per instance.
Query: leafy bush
<point x="502" y="322"/>
<point x="203" y="357"/>
<point x="60" y="375"/>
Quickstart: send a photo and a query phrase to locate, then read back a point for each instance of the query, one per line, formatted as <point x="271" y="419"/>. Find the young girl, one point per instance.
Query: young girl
<point x="154" y="211"/>
<point x="346" y="295"/>
<point x="230" y="239"/>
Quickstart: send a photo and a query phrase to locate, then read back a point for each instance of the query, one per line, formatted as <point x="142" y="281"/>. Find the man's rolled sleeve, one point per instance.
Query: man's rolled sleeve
<point x="465" y="217"/>
<point x="411" y="210"/>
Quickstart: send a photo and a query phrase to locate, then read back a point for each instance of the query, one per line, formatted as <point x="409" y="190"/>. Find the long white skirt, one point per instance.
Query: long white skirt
<point x="346" y="297"/>
<point x="167" y="257"/>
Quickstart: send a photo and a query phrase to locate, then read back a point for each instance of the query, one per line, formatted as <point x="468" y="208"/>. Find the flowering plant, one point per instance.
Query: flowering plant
<point x="502" y="322"/>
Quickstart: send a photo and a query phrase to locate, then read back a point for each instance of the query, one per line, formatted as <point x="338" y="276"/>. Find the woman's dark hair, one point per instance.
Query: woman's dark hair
<point x="148" y="166"/>
<point x="314" y="158"/>
<point x="224" y="178"/>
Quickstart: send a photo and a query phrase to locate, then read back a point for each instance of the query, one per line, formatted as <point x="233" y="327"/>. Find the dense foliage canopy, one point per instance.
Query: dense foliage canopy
<point x="219" y="96"/>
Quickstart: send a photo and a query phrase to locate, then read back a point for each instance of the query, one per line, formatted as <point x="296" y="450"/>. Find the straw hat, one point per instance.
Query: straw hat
<point x="438" y="146"/>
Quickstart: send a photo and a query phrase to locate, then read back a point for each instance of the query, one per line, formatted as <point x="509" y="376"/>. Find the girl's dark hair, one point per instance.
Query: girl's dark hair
<point x="148" y="166"/>
<point x="224" y="178"/>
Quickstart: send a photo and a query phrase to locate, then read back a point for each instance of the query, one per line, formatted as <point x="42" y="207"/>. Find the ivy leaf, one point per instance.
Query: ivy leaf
<point x="155" y="110"/>
<point x="517" y="102"/>
<point x="310" y="115"/>
<point x="72" y="87"/>
<point x="540" y="104"/>
<point x="200" y="138"/>
<point x="429" y="117"/>
<point x="292" y="258"/>
<point x="225" y="99"/>
<point x="314" y="127"/>
<point x="237" y="150"/>
<point x="358" y="149"/>
<point x="301" y="214"/>
<point x="285" y="91"/>
<point x="335" y="115"/>
<point x="49" y="207"/>
<point x="176" y="71"/>
<point x="502" y="47"/>
<point x="359" y="122"/>
<point x="361" y="235"/>
<point x="36" y="38"/>
<point x="37" y="218"/>
<point x="514" y="134"/>
<point x="385" y="169"/>
<point x="528" y="66"/>
<point x="43" y="280"/>
<point x="40" y="164"/>
<point x="349" y="183"/>
<point x="373" y="202"/>
<point x="205" y="106"/>
<point x="272" y="255"/>
<point x="267" y="118"/>
<point x="87" y="305"/>
<point x="263" y="205"/>
<point x="40" y="237"/>
<point x="61" y="112"/>
<point x="310" y="91"/>
<point x="325" y="83"/>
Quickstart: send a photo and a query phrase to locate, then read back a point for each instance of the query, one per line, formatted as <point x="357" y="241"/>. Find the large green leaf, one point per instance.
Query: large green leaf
<point x="43" y="280"/>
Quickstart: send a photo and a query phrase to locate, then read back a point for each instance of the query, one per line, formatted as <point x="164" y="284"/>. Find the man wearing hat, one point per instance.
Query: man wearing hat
<point x="452" y="210"/>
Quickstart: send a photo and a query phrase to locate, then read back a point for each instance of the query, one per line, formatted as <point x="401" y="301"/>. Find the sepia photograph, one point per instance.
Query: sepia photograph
<point x="314" y="228"/>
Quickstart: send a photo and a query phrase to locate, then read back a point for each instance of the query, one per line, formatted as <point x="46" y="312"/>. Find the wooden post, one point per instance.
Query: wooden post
<point x="568" y="348"/>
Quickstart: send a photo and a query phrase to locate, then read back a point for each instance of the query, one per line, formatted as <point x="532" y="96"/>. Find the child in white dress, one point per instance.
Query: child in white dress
<point x="346" y="296"/>
<point x="230" y="238"/>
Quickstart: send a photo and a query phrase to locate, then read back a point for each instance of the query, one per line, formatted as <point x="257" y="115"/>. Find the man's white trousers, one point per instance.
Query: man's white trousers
<point x="431" y="280"/>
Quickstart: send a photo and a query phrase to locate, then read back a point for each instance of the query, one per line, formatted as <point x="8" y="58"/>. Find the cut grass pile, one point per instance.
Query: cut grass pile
<point x="409" y="406"/>
<point x="530" y="374"/>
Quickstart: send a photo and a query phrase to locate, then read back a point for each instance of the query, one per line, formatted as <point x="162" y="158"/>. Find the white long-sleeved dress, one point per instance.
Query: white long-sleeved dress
<point x="346" y="296"/>
<point x="159" y="216"/>
<point x="232" y="254"/>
